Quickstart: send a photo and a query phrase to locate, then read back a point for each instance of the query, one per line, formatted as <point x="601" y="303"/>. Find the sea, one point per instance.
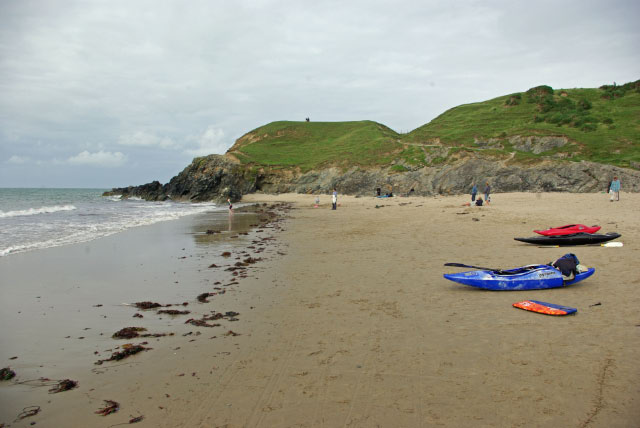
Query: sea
<point x="33" y="219"/>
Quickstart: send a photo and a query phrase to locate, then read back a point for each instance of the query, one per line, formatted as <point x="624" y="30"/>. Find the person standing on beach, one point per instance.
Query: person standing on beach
<point x="614" y="189"/>
<point x="334" y="199"/>
<point x="487" y="191"/>
<point x="474" y="192"/>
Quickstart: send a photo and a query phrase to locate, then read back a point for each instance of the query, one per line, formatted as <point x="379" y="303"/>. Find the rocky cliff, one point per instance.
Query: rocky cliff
<point x="216" y="178"/>
<point x="456" y="178"/>
<point x="210" y="178"/>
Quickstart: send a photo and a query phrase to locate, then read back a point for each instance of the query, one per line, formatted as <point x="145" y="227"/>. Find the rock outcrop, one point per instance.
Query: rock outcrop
<point x="537" y="145"/>
<point x="458" y="178"/>
<point x="209" y="178"/>
<point x="216" y="178"/>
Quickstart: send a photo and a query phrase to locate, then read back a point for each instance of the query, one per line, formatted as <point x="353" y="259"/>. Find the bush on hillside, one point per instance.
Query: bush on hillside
<point x="584" y="104"/>
<point x="611" y="92"/>
<point x="538" y="94"/>
<point x="513" y="100"/>
<point x="561" y="110"/>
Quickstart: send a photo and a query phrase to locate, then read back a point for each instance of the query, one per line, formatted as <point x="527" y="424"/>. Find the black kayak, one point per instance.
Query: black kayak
<point x="573" y="239"/>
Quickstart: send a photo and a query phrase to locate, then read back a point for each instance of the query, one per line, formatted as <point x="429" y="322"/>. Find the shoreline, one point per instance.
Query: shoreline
<point x="79" y="295"/>
<point x="353" y="324"/>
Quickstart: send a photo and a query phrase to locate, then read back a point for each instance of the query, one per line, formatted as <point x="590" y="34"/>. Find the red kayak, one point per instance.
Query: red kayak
<point x="568" y="230"/>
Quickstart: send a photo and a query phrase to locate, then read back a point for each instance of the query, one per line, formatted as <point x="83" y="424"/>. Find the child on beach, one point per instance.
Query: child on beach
<point x="474" y="191"/>
<point x="230" y="206"/>
<point x="477" y="203"/>
<point x="614" y="189"/>
<point x="334" y="199"/>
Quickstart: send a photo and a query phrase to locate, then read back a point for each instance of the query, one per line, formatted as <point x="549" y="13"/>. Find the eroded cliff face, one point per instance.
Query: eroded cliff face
<point x="216" y="178"/>
<point x="458" y="178"/>
<point x="209" y="178"/>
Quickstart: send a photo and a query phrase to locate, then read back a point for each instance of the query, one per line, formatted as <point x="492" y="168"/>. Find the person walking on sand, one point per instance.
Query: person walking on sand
<point x="334" y="199"/>
<point x="230" y="206"/>
<point x="614" y="189"/>
<point x="487" y="192"/>
<point x="474" y="192"/>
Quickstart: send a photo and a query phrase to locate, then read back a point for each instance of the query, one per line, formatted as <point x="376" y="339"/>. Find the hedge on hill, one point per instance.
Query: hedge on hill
<point x="561" y="110"/>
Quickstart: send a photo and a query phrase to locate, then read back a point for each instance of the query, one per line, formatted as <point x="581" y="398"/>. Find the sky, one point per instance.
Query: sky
<point x="115" y="93"/>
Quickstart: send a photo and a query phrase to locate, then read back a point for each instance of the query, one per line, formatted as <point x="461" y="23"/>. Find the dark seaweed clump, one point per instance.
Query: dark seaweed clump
<point x="127" y="351"/>
<point x="63" y="385"/>
<point x="110" y="407"/>
<point x="7" y="374"/>
<point x="147" y="305"/>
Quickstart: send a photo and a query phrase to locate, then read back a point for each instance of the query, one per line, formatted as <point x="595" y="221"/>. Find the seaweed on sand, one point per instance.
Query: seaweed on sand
<point x="173" y="312"/>
<point x="201" y="323"/>
<point x="127" y="350"/>
<point x="7" y="374"/>
<point x="28" y="411"/>
<point x="147" y="305"/>
<point x="63" y="385"/>
<point x="128" y="332"/>
<point x="202" y="298"/>
<point x="133" y="332"/>
<point x="110" y="407"/>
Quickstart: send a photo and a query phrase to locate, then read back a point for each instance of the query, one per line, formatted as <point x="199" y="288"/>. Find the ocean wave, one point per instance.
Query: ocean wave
<point x="72" y="231"/>
<point x="36" y="211"/>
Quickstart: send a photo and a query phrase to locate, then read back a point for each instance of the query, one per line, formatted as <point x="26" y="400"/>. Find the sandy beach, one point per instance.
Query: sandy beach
<point x="346" y="320"/>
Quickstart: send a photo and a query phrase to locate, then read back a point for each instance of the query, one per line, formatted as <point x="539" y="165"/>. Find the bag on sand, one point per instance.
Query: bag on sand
<point x="567" y="265"/>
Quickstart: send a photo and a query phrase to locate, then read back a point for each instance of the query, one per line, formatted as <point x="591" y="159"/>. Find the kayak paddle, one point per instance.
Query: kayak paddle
<point x="606" y="244"/>
<point x="472" y="267"/>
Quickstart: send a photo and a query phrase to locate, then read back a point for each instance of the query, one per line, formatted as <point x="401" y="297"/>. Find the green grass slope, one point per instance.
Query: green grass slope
<point x="311" y="145"/>
<point x="602" y="125"/>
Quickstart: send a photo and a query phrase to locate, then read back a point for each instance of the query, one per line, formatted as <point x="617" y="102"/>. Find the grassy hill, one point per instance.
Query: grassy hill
<point x="309" y="145"/>
<point x="602" y="125"/>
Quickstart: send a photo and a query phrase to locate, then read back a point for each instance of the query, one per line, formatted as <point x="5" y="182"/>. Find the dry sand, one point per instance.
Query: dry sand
<point x="352" y="324"/>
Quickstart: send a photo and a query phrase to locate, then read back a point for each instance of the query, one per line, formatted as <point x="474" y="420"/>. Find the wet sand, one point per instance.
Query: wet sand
<point x="350" y="323"/>
<point x="61" y="305"/>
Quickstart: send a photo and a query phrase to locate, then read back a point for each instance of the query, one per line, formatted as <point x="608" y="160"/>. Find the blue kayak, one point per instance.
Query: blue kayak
<point x="533" y="277"/>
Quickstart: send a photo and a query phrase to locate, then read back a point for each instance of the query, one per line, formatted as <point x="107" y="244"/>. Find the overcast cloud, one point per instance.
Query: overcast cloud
<point x="116" y="93"/>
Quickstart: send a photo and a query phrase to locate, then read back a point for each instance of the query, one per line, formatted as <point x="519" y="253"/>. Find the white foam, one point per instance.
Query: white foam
<point x="36" y="211"/>
<point x="83" y="232"/>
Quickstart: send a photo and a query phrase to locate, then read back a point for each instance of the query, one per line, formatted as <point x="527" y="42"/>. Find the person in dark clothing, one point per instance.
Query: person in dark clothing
<point x="487" y="192"/>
